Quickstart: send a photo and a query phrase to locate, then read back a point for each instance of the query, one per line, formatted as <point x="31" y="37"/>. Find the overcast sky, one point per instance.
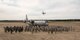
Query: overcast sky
<point x="54" y="9"/>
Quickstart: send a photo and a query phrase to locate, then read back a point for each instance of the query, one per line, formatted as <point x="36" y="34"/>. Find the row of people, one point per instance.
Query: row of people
<point x="13" y="29"/>
<point x="33" y="29"/>
<point x="49" y="29"/>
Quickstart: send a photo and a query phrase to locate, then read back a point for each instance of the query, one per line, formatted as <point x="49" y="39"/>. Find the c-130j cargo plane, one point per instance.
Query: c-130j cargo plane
<point x="38" y="22"/>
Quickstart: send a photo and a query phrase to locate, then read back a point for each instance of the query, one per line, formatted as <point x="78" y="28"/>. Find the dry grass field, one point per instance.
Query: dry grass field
<point x="74" y="35"/>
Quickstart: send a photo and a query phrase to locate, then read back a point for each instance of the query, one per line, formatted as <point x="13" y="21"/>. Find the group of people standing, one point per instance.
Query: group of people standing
<point x="13" y="29"/>
<point x="49" y="29"/>
<point x="34" y="29"/>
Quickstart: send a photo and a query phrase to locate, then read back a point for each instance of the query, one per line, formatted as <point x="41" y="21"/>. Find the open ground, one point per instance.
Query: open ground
<point x="72" y="35"/>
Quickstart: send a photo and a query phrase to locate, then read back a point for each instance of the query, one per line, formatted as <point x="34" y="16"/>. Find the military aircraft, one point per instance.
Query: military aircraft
<point x="38" y="22"/>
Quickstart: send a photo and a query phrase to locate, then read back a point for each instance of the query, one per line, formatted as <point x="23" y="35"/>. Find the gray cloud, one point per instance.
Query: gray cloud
<point x="54" y="9"/>
<point x="61" y="9"/>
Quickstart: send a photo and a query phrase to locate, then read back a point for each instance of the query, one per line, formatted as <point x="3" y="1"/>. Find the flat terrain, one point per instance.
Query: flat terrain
<point x="74" y="35"/>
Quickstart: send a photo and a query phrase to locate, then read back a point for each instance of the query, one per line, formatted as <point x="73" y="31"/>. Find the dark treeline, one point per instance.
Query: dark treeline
<point x="47" y="20"/>
<point x="11" y="20"/>
<point x="66" y="20"/>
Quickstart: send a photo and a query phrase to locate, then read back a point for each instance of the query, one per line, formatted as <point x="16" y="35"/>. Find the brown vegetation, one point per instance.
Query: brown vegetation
<point x="74" y="35"/>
